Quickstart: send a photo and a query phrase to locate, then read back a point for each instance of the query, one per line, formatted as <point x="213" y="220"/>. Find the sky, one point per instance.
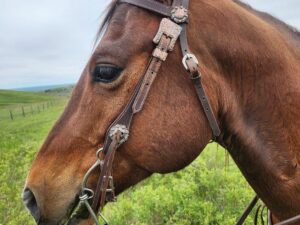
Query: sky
<point x="50" y="41"/>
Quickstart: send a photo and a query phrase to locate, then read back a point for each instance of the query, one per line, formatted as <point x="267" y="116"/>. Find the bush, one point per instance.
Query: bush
<point x="207" y="192"/>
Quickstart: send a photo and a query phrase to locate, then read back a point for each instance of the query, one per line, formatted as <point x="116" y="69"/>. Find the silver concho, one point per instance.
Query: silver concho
<point x="179" y="14"/>
<point x="123" y="130"/>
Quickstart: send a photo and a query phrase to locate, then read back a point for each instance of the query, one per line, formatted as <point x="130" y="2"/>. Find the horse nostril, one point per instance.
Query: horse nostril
<point x="30" y="202"/>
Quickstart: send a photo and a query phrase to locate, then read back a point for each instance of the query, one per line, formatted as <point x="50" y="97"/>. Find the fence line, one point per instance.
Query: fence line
<point x="25" y="110"/>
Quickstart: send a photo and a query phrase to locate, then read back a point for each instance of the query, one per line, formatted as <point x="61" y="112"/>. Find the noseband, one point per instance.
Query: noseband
<point x="172" y="27"/>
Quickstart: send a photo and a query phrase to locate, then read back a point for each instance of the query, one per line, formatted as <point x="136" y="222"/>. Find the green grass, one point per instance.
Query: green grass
<point x="19" y="141"/>
<point x="206" y="192"/>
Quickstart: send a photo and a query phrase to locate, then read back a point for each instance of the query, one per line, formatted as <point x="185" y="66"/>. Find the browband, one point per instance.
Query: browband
<point x="150" y="5"/>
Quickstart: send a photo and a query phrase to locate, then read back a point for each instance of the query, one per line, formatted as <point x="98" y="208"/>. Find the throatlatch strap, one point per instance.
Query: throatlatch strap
<point x="195" y="75"/>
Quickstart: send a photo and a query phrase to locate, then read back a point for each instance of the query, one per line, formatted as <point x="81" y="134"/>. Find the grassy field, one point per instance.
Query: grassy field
<point x="16" y="104"/>
<point x="207" y="192"/>
<point x="19" y="141"/>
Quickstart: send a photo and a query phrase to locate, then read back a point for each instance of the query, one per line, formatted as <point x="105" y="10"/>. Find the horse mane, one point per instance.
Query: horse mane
<point x="106" y="15"/>
<point x="289" y="31"/>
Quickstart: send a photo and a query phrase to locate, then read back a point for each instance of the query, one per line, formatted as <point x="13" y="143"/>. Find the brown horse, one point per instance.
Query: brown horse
<point x="251" y="73"/>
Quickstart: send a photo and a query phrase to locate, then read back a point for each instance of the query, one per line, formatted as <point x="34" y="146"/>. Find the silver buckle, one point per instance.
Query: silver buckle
<point x="180" y="14"/>
<point x="189" y="56"/>
<point x="170" y="29"/>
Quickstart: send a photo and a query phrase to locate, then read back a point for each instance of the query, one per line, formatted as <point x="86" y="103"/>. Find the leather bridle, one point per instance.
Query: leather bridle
<point x="172" y="27"/>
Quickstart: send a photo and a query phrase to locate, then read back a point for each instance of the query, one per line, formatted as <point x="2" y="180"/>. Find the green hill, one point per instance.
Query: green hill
<point x="43" y="88"/>
<point x="8" y="97"/>
<point x="61" y="91"/>
<point x="19" y="104"/>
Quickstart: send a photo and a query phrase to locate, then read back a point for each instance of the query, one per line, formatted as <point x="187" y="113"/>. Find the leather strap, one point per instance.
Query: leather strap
<point x="134" y="106"/>
<point x="106" y="173"/>
<point x="151" y="74"/>
<point x="176" y="3"/>
<point x="248" y="210"/>
<point x="184" y="3"/>
<point x="195" y="76"/>
<point x="289" y="221"/>
<point x="250" y="207"/>
<point x="150" y="5"/>
<point x="270" y="222"/>
<point x="206" y="106"/>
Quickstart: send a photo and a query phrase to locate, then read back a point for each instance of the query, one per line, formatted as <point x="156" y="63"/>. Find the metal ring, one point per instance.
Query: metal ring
<point x="83" y="197"/>
<point x="88" y="194"/>
<point x="87" y="175"/>
<point x="98" y="152"/>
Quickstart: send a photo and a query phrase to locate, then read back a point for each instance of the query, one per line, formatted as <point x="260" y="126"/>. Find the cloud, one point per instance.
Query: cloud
<point x="46" y="42"/>
<point x="286" y="10"/>
<point x="49" y="42"/>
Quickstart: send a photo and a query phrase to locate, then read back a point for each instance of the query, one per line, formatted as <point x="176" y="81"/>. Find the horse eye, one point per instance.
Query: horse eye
<point x="106" y="73"/>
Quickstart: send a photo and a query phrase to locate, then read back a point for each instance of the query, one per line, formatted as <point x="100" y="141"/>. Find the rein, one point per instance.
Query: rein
<point x="172" y="27"/>
<point x="251" y="206"/>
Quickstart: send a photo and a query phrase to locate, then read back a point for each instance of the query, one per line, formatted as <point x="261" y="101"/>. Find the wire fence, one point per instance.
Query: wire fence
<point x="23" y="111"/>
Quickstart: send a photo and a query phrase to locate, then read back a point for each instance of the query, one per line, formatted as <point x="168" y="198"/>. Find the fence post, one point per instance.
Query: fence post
<point x="43" y="107"/>
<point x="23" y="112"/>
<point x="39" y="109"/>
<point x="31" y="109"/>
<point x="11" y="115"/>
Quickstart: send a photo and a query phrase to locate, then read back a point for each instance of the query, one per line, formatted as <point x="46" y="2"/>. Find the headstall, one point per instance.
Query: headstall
<point x="172" y="27"/>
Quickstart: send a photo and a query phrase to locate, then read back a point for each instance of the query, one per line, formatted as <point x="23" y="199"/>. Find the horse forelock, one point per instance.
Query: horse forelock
<point x="108" y="13"/>
<point x="106" y="16"/>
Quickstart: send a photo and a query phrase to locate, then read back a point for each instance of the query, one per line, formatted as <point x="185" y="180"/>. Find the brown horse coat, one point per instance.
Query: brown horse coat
<point x="250" y="66"/>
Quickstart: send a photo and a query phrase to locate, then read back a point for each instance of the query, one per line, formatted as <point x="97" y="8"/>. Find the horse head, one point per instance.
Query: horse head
<point x="167" y="135"/>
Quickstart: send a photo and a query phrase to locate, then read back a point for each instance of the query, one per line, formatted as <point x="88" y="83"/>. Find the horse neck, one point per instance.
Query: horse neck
<point x="258" y="82"/>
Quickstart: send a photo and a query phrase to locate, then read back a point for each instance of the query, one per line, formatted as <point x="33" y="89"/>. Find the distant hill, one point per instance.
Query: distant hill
<point x="60" y="91"/>
<point x="43" y="88"/>
<point x="9" y="97"/>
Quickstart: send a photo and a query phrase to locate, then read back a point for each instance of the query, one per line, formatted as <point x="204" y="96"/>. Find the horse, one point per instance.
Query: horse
<point x="250" y="69"/>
